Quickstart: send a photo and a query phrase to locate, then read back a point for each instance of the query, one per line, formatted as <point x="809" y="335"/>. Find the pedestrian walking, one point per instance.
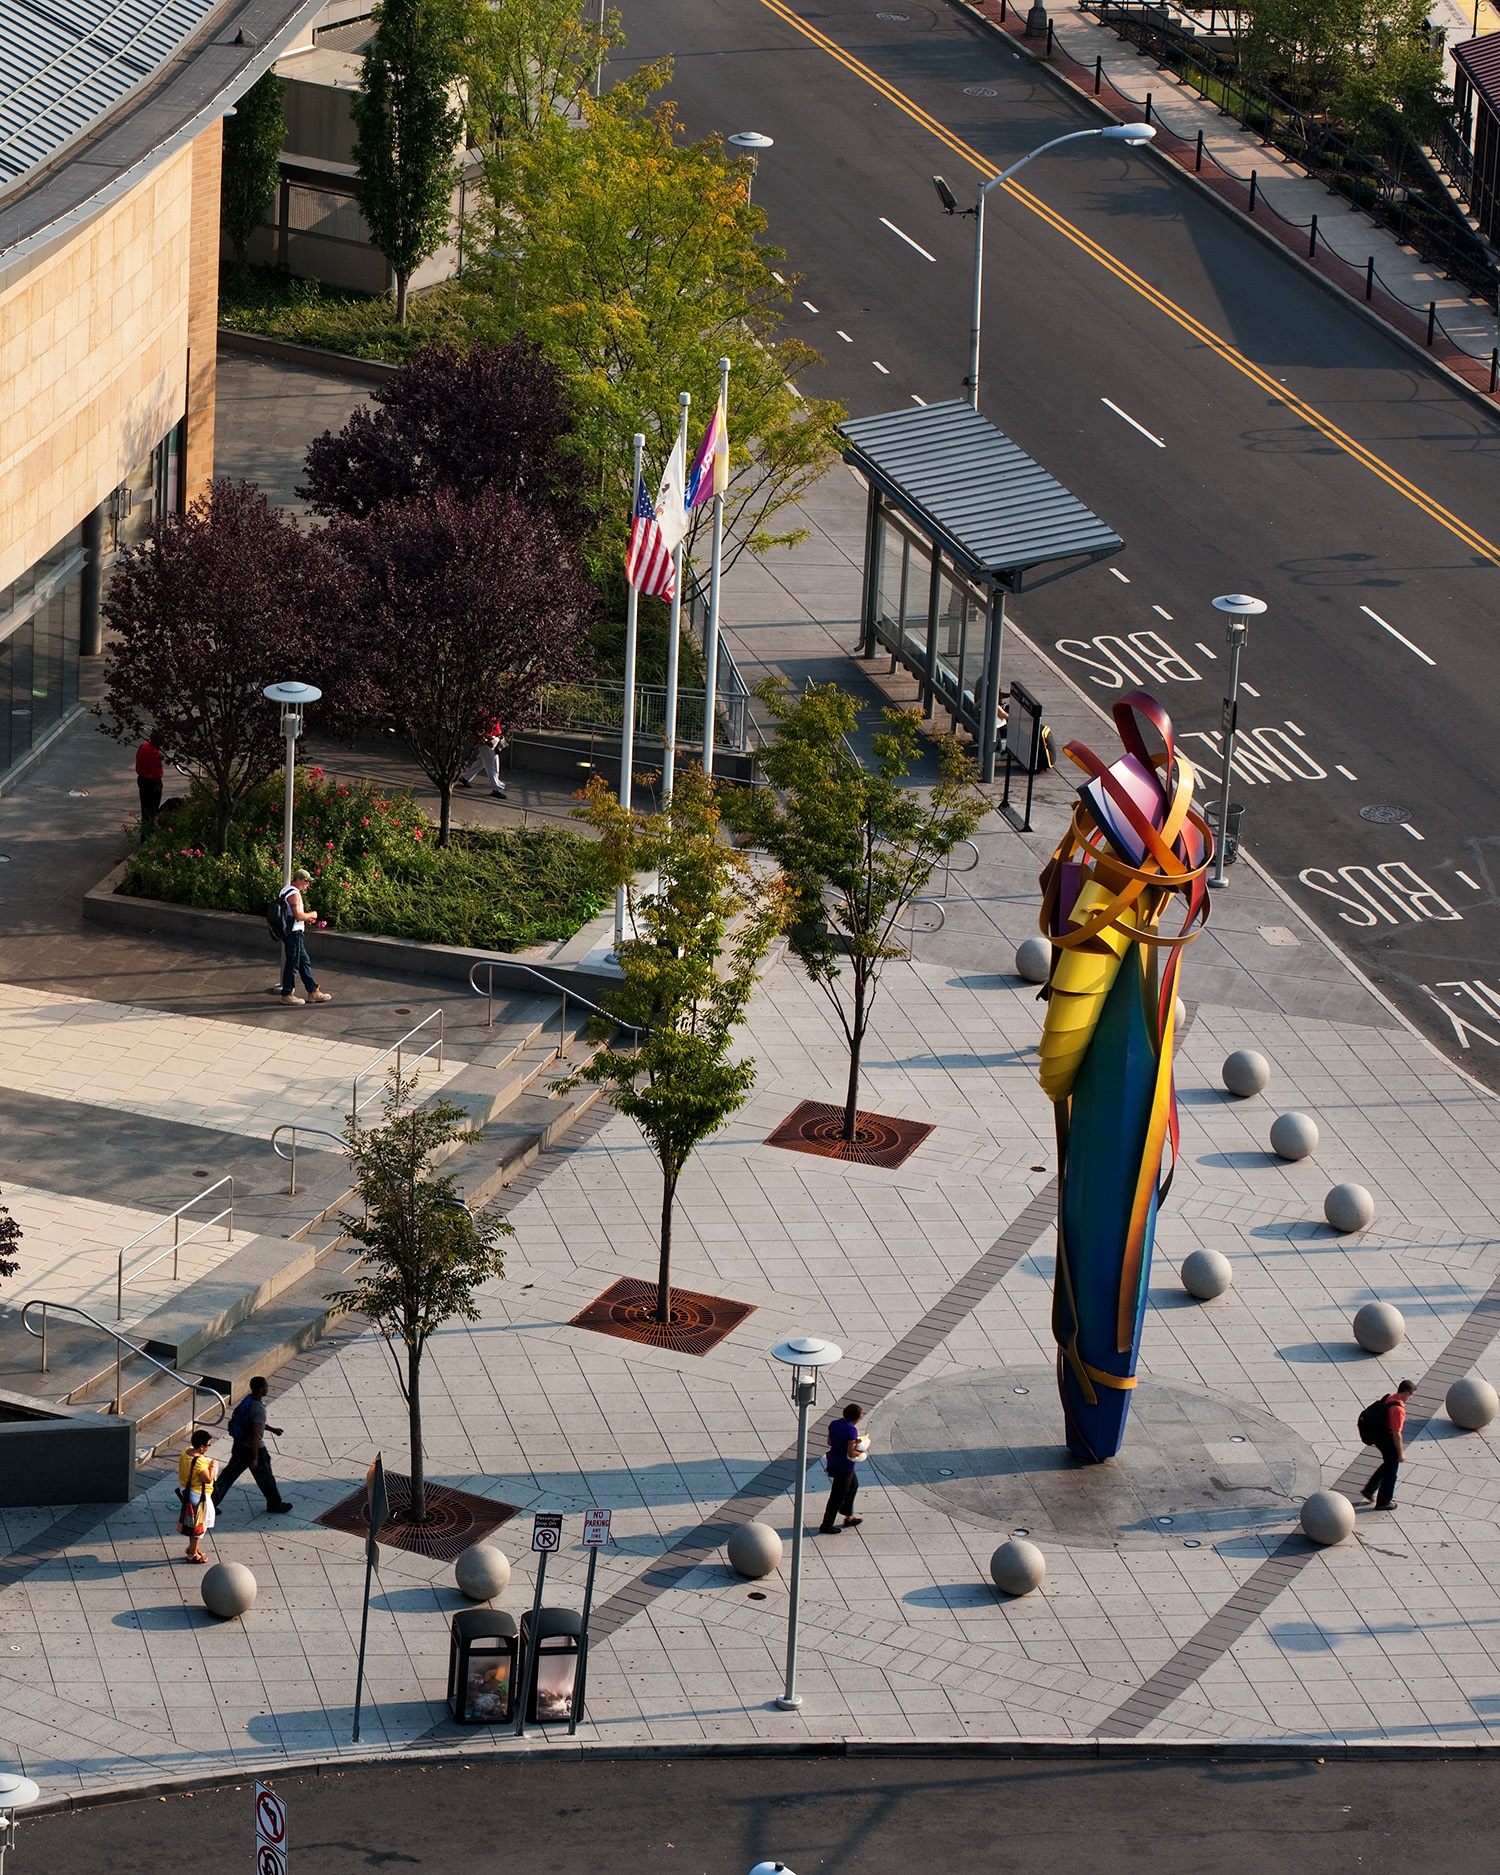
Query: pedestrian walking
<point x="196" y="1472"/>
<point x="1383" y="1426"/>
<point x="487" y="761"/>
<point x="294" y="918"/>
<point x="847" y="1447"/>
<point x="149" y="769"/>
<point x="247" y="1433"/>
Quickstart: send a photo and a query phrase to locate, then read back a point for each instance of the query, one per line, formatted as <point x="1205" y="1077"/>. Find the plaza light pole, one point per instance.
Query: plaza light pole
<point x="293" y="698"/>
<point x="752" y="143"/>
<point x="1240" y="609"/>
<point x="1128" y="134"/>
<point x="804" y="1355"/>
<point x="15" y="1794"/>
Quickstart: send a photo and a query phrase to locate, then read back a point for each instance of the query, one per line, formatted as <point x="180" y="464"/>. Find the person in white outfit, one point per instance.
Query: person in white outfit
<point x="487" y="763"/>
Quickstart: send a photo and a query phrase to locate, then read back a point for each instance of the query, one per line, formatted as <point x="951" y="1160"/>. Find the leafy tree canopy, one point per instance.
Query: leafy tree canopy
<point x="252" y="167"/>
<point x="526" y="62"/>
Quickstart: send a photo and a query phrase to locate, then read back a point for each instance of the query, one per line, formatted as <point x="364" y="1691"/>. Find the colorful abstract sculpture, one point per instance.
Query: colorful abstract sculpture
<point x="1134" y="846"/>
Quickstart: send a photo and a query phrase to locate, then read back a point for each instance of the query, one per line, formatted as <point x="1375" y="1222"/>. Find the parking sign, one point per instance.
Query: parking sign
<point x="596" y="1528"/>
<point x="546" y="1530"/>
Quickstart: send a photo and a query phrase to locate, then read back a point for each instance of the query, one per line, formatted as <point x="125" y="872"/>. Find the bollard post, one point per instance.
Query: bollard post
<point x="1098" y="73"/>
<point x="1494" y="370"/>
<point x="1312" y="239"/>
<point x="1431" y="321"/>
<point x="1253" y="181"/>
<point x="1198" y="159"/>
<point x="1049" y="39"/>
<point x="1370" y="278"/>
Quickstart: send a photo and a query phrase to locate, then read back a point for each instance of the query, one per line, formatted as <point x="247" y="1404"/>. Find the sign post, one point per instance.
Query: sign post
<point x="595" y="1536"/>
<point x="270" y="1832"/>
<point x="546" y="1537"/>
<point x="379" y="1506"/>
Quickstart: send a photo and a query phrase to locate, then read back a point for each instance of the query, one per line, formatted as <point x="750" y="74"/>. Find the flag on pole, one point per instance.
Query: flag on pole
<point x="671" y="500"/>
<point x="709" y="475"/>
<point x="648" y="561"/>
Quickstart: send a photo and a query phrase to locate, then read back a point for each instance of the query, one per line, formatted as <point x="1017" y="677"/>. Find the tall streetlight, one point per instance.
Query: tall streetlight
<point x="805" y="1356"/>
<point x="1240" y="609"/>
<point x="752" y="143"/>
<point x="15" y="1794"/>
<point x="1128" y="134"/>
<point x="293" y="698"/>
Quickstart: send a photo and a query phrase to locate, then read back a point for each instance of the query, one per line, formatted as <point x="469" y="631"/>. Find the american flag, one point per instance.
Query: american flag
<point x="648" y="562"/>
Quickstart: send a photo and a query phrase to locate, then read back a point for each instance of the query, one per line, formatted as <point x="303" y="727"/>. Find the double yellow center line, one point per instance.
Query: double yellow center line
<point x="1470" y="537"/>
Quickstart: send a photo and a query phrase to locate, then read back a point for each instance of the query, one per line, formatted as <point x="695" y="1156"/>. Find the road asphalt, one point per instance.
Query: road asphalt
<point x="1367" y="516"/>
<point x="820" y="1816"/>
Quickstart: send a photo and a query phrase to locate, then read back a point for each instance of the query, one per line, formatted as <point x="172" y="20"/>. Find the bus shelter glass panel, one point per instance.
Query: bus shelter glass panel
<point x="914" y="620"/>
<point x="890" y="580"/>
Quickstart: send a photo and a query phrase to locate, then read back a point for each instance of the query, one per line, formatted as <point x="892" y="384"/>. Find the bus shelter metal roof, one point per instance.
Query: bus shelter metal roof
<point x="978" y="497"/>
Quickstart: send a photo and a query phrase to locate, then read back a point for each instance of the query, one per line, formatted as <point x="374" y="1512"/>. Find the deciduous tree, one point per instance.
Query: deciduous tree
<point x="526" y="62"/>
<point x="10" y="1240"/>
<point x="855" y="844"/>
<point x="253" y="137"/>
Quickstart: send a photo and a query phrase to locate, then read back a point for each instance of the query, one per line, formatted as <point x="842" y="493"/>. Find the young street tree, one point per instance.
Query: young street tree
<point x="489" y="418"/>
<point x="10" y="1240"/>
<point x="528" y="61"/>
<point x="698" y="942"/>
<point x="425" y="1254"/>
<point x="218" y="603"/>
<point x="253" y="137"/>
<point x="466" y="610"/>
<point x="855" y="846"/>
<point x="407" y="132"/>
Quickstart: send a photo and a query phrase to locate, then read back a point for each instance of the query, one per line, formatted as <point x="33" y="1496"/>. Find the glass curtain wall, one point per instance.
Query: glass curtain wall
<point x="39" y="617"/>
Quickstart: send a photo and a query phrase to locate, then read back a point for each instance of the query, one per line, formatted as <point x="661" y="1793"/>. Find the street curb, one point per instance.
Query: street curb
<point x="1160" y="1750"/>
<point x="307" y="357"/>
<point x="1017" y="42"/>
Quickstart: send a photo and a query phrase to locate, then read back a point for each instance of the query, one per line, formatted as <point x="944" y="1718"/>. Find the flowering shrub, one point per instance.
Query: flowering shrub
<point x="373" y="867"/>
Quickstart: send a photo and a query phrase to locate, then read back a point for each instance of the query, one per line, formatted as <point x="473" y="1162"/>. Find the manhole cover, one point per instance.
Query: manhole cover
<point x="902" y="17"/>
<point x="78" y="794"/>
<point x="628" y="1309"/>
<point x="879" y="1138"/>
<point x="980" y="91"/>
<point x="1384" y="815"/>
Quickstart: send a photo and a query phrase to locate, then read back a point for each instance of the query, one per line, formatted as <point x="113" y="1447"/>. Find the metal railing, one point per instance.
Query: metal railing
<point x="121" y="1343"/>
<point x="294" y="1127"/>
<point x="178" y="1240"/>
<point x="396" y="1049"/>
<point x="908" y="927"/>
<point x="561" y="989"/>
<point x="600" y="706"/>
<point x="949" y="868"/>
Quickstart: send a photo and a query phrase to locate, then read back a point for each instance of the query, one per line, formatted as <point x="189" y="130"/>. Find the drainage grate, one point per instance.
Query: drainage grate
<point x="455" y="1519"/>
<point x="879" y="1139"/>
<point x="628" y="1309"/>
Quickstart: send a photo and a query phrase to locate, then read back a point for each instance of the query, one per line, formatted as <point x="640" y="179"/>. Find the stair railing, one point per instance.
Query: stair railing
<point x="121" y="1343"/>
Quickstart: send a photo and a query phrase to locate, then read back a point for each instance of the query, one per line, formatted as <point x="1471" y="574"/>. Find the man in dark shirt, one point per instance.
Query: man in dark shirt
<point x="247" y="1430"/>
<point x="1392" y="1448"/>
<point x="846" y="1448"/>
<point x="148" y="778"/>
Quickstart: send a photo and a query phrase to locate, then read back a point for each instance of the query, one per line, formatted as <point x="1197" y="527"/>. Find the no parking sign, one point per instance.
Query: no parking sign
<point x="270" y="1832"/>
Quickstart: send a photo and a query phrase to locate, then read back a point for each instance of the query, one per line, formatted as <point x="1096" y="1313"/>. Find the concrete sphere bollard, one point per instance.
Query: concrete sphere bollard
<point x="482" y="1572"/>
<point x="228" y="1590"/>
<point x="1349" y="1207"/>
<point x="1033" y="960"/>
<point x="754" y="1550"/>
<point x="1472" y="1403"/>
<point x="1328" y="1517"/>
<point x="1294" y="1135"/>
<point x="1206" y="1274"/>
<point x="1179" y="1016"/>
<point x="1017" y="1567"/>
<point x="1379" y="1327"/>
<point x="1246" y="1072"/>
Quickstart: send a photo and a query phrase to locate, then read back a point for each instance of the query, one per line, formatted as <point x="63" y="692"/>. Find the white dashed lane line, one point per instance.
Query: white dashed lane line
<point x="901" y="236"/>
<point x="1123" y="578"/>
<point x="1347" y="773"/>
<point x="919" y="400"/>
<point x="1249" y="689"/>
<point x="1412" y="831"/>
<point x="1399" y="636"/>
<point x="844" y="336"/>
<point x="882" y="369"/>
<point x="809" y="305"/>
<point x="1163" y="611"/>
<point x="1125" y="415"/>
<point x="1198" y="642"/>
<point x="1472" y="884"/>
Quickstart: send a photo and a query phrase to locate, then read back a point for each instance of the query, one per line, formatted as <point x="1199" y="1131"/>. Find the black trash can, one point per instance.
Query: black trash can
<point x="554" y="1669"/>
<point x="482" y="1653"/>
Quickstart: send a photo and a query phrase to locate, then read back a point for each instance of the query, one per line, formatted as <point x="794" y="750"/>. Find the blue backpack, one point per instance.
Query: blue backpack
<point x="279" y="919"/>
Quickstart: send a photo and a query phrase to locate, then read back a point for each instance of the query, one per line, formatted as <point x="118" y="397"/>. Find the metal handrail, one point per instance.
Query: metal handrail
<point x="492" y="965"/>
<point x="121" y="1342"/>
<point x="178" y="1240"/>
<point x="395" y="1049"/>
<point x="911" y="927"/>
<point x="294" y="1127"/>
<point x="949" y="868"/>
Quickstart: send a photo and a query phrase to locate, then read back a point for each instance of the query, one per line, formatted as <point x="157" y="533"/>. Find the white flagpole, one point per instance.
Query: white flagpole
<point x="711" y="632"/>
<point x="627" y="725"/>
<point x="674" y="633"/>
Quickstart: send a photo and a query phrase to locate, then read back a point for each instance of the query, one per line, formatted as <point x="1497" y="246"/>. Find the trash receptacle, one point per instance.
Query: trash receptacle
<point x="554" y="1667"/>
<point x="482" y="1655"/>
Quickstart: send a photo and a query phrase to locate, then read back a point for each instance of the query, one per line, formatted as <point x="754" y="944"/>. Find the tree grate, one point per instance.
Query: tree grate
<point x="628" y="1309"/>
<point x="879" y="1138"/>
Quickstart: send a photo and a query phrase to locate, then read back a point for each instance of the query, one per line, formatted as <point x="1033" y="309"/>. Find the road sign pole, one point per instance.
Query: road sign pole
<point x="378" y="1509"/>
<point x="583" y="1643"/>
<point x="528" y="1661"/>
<point x="364" y="1630"/>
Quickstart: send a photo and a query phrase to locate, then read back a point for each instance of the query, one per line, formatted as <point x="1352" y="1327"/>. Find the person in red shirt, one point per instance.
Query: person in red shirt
<point x="148" y="777"/>
<point x="1391" y="1445"/>
<point x="487" y="761"/>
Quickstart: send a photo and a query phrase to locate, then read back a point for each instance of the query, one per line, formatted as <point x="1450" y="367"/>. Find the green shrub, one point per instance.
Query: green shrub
<point x="376" y="867"/>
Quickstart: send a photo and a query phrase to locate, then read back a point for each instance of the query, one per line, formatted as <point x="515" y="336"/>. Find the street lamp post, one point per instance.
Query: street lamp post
<point x="804" y="1355"/>
<point x="1240" y="609"/>
<point x="15" y="1794"/>
<point x="752" y="143"/>
<point x="1128" y="134"/>
<point x="293" y="698"/>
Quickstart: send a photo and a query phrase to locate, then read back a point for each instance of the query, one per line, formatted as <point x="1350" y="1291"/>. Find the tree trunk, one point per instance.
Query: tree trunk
<point x="417" y="1509"/>
<point x="445" y="811"/>
<point x="664" y="1263"/>
<point x="856" y="1043"/>
<point x="401" y="284"/>
<point x="221" y="828"/>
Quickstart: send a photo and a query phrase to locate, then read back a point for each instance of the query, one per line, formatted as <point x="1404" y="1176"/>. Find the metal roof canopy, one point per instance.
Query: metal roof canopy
<point x="1479" y="61"/>
<point x="979" y="497"/>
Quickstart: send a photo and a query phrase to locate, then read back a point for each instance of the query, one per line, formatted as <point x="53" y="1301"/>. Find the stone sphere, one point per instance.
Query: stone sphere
<point x="1017" y="1567"/>
<point x="1349" y="1207"/>
<point x="1033" y="960"/>
<point x="1379" y="1327"/>
<point x="482" y="1572"/>
<point x="1206" y="1274"/>
<point x="1294" y="1135"/>
<point x="1328" y="1517"/>
<point x="754" y="1550"/>
<point x="1245" y="1073"/>
<point x="1179" y="1016"/>
<point x="228" y="1590"/>
<point x="1472" y="1403"/>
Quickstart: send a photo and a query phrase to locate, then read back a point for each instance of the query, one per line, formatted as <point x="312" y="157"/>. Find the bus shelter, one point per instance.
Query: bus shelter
<point x="959" y="518"/>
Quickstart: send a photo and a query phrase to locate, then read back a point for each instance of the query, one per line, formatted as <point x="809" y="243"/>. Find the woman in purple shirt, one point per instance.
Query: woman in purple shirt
<point x="846" y="1447"/>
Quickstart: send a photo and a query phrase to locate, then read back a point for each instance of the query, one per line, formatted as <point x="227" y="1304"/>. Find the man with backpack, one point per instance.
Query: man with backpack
<point x="247" y="1430"/>
<point x="287" y="917"/>
<point x="1381" y="1424"/>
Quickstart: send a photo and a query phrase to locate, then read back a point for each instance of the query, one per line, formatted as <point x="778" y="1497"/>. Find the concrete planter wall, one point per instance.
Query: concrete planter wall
<point x="53" y="1455"/>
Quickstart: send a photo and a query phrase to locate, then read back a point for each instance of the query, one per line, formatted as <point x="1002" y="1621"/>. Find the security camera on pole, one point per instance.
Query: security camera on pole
<point x="293" y="699"/>
<point x="1240" y="610"/>
<point x="805" y="1355"/>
